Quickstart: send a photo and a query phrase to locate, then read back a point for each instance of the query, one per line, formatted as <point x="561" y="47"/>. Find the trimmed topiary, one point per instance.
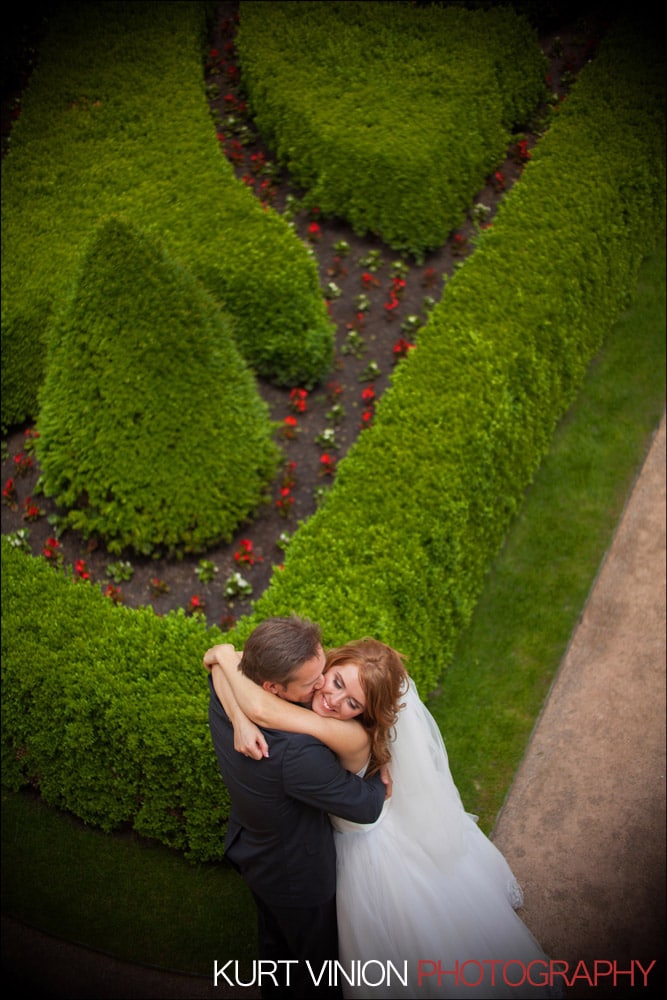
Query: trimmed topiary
<point x="389" y="115"/>
<point x="131" y="134"/>
<point x="153" y="435"/>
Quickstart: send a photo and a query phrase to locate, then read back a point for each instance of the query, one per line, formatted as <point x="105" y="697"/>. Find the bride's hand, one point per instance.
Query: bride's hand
<point x="249" y="739"/>
<point x="216" y="654"/>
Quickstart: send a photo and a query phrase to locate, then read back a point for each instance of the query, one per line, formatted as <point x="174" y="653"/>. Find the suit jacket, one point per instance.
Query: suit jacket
<point x="279" y="836"/>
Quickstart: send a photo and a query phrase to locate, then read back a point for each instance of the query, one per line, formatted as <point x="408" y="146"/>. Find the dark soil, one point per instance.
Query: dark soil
<point x="375" y="330"/>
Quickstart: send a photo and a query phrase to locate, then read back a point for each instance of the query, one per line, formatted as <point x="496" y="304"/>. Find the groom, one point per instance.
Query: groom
<point x="279" y="837"/>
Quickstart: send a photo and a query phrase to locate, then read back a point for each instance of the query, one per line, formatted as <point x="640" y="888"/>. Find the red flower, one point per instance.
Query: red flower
<point x="114" y="593"/>
<point x="460" y="243"/>
<point x="522" y="154"/>
<point x="358" y="324"/>
<point x="196" y="603"/>
<point x="9" y="491"/>
<point x="22" y="463"/>
<point x="257" y="162"/>
<point x="314" y="232"/>
<point x="298" y="399"/>
<point x="366" y="418"/>
<point x="285" y="501"/>
<point x="498" y="181"/>
<point x="328" y="464"/>
<point x="31" y="511"/>
<point x="368" y="394"/>
<point x="397" y="287"/>
<point x="290" y="427"/>
<point x="401" y="348"/>
<point x="235" y="151"/>
<point x="267" y="192"/>
<point x="289" y="476"/>
<point x="392" y="304"/>
<point x="81" y="569"/>
<point x="245" y="553"/>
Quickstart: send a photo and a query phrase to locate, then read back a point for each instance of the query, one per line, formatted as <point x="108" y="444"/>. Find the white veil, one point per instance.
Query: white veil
<point x="425" y="800"/>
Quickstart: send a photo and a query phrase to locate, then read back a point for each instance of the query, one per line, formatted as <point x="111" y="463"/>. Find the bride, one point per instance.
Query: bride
<point x="422" y="886"/>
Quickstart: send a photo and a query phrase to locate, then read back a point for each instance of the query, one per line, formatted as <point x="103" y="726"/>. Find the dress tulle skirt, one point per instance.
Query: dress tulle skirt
<point x="425" y="890"/>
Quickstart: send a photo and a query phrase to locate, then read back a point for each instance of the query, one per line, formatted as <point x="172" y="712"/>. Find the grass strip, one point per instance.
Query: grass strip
<point x="538" y="585"/>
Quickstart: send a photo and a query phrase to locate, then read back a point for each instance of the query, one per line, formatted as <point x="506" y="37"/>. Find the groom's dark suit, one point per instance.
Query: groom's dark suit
<point x="280" y="839"/>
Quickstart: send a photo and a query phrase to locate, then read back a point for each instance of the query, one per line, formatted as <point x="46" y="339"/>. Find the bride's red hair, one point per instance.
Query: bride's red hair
<point x="383" y="680"/>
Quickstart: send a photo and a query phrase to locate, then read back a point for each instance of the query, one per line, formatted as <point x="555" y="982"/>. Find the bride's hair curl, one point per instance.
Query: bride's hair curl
<point x="384" y="681"/>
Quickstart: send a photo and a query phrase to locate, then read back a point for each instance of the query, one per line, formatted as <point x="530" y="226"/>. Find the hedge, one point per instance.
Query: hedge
<point x="152" y="432"/>
<point x="100" y="134"/>
<point x="105" y="709"/>
<point x="422" y="502"/>
<point x="389" y="115"/>
<point x="97" y="697"/>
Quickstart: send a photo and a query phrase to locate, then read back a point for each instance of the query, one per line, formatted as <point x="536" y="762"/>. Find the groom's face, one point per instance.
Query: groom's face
<point x="305" y="682"/>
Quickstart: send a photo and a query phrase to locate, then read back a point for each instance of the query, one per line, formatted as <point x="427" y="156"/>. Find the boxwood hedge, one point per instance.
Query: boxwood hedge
<point x="390" y="115"/>
<point x="101" y="133"/>
<point x="105" y="710"/>
<point x="152" y="432"/>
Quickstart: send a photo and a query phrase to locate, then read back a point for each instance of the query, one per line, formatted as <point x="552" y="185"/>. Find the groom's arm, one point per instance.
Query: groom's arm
<point x="312" y="774"/>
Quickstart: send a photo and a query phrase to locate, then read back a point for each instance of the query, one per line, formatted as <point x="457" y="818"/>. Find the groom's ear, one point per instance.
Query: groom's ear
<point x="271" y="687"/>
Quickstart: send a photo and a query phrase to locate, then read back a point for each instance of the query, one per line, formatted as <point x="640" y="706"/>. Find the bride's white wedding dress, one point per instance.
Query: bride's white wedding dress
<point x="424" y="888"/>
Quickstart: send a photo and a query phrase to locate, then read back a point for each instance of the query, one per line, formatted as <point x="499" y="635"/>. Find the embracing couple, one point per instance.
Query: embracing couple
<point x="348" y="828"/>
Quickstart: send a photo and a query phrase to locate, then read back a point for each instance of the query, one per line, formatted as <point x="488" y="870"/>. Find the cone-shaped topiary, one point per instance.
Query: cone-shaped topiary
<point x="153" y="435"/>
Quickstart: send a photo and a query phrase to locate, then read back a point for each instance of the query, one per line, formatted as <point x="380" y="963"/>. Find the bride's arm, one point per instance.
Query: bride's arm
<point x="248" y="738"/>
<point x="348" y="739"/>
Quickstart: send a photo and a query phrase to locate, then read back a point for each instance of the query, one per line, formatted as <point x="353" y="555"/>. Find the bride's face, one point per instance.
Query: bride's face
<point x="341" y="696"/>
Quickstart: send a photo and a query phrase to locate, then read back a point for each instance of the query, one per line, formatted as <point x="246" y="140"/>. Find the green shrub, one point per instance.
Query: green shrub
<point x="104" y="709"/>
<point x="389" y="115"/>
<point x="422" y="502"/>
<point x="153" y="435"/>
<point x="129" y="133"/>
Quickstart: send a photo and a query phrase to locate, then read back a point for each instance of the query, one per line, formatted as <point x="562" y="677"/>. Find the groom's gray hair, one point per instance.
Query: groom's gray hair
<point x="278" y="647"/>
